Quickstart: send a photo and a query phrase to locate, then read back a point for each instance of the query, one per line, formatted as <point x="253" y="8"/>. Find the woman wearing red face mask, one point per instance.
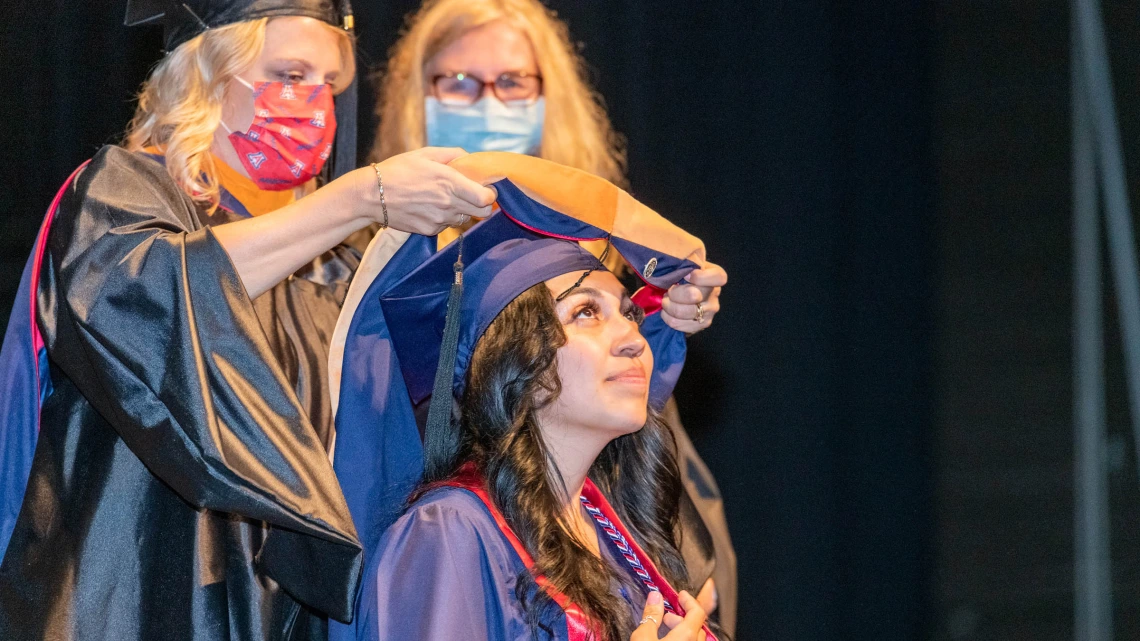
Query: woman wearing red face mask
<point x="176" y="314"/>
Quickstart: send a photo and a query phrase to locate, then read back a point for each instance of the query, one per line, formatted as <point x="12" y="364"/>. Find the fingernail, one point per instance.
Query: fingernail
<point x="654" y="598"/>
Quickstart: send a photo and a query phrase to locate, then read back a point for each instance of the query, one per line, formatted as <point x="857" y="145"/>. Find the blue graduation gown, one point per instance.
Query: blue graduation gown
<point x="444" y="570"/>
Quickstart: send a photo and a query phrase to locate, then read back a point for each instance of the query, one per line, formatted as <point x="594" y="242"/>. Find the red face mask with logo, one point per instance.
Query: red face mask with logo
<point x="291" y="136"/>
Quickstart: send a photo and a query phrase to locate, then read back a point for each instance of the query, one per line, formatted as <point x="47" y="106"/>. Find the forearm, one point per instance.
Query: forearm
<point x="424" y="196"/>
<point x="267" y="249"/>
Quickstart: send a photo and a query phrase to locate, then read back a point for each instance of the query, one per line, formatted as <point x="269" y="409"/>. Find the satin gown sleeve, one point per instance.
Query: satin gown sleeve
<point x="445" y="571"/>
<point x="153" y="325"/>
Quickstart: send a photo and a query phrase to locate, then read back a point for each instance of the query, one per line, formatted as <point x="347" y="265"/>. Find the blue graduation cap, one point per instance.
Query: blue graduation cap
<point x="413" y="332"/>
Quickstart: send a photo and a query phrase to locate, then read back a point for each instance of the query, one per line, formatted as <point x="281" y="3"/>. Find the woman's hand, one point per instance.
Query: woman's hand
<point x="423" y="195"/>
<point x="708" y="597"/>
<point x="690" y="307"/>
<point x="687" y="629"/>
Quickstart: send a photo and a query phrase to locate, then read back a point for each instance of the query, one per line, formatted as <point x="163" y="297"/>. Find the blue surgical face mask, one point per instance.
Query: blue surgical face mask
<point x="486" y="125"/>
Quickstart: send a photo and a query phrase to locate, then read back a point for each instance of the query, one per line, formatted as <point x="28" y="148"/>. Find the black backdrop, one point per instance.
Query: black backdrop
<point x="794" y="138"/>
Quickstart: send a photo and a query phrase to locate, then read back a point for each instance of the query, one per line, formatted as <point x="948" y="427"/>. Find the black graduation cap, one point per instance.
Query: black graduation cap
<point x="184" y="19"/>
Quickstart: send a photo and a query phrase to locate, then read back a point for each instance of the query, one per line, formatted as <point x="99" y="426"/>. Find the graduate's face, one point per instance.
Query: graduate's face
<point x="297" y="50"/>
<point x="605" y="365"/>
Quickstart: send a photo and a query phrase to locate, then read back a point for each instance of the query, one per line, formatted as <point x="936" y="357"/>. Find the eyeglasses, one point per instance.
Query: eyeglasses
<point x="465" y="89"/>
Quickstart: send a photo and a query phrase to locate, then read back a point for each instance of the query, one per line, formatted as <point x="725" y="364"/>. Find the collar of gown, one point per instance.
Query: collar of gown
<point x="257" y="201"/>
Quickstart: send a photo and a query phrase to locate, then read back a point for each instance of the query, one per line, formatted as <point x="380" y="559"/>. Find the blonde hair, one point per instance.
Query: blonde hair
<point x="576" y="131"/>
<point x="180" y="104"/>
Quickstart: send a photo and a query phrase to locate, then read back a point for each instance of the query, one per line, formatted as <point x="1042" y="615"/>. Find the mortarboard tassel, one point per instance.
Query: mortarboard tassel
<point x="441" y="437"/>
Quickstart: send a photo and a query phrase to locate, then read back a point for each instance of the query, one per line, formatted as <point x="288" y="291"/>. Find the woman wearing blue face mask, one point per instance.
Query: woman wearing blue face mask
<point x="494" y="75"/>
<point x="502" y="75"/>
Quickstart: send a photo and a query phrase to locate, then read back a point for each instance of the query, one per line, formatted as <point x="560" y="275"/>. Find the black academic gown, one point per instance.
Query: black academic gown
<point x="705" y="542"/>
<point x="180" y="487"/>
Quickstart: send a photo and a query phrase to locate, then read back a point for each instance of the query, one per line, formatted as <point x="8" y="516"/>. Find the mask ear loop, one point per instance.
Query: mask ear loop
<point x="248" y="86"/>
<point x="576" y="285"/>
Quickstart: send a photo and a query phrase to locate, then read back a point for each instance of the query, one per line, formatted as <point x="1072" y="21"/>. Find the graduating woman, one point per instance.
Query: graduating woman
<point x="546" y="506"/>
<point x="504" y="75"/>
<point x="176" y="315"/>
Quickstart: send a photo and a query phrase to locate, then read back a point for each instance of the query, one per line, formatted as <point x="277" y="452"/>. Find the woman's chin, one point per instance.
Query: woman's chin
<point x="627" y="420"/>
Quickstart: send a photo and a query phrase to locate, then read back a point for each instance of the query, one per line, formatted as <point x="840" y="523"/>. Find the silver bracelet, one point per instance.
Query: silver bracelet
<point x="380" y="184"/>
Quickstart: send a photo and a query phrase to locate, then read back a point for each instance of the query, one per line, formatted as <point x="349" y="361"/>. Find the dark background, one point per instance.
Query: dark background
<point x="886" y="398"/>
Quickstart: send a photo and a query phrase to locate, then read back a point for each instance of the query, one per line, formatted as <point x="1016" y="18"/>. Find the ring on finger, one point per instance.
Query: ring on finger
<point x="700" y="317"/>
<point x="647" y="618"/>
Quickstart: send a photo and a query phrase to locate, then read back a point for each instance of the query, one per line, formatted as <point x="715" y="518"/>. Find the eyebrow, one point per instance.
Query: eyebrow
<point x="590" y="291"/>
<point x="290" y="61"/>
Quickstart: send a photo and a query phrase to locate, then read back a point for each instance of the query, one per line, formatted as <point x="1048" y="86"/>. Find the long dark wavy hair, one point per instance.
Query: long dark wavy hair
<point x="512" y="376"/>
